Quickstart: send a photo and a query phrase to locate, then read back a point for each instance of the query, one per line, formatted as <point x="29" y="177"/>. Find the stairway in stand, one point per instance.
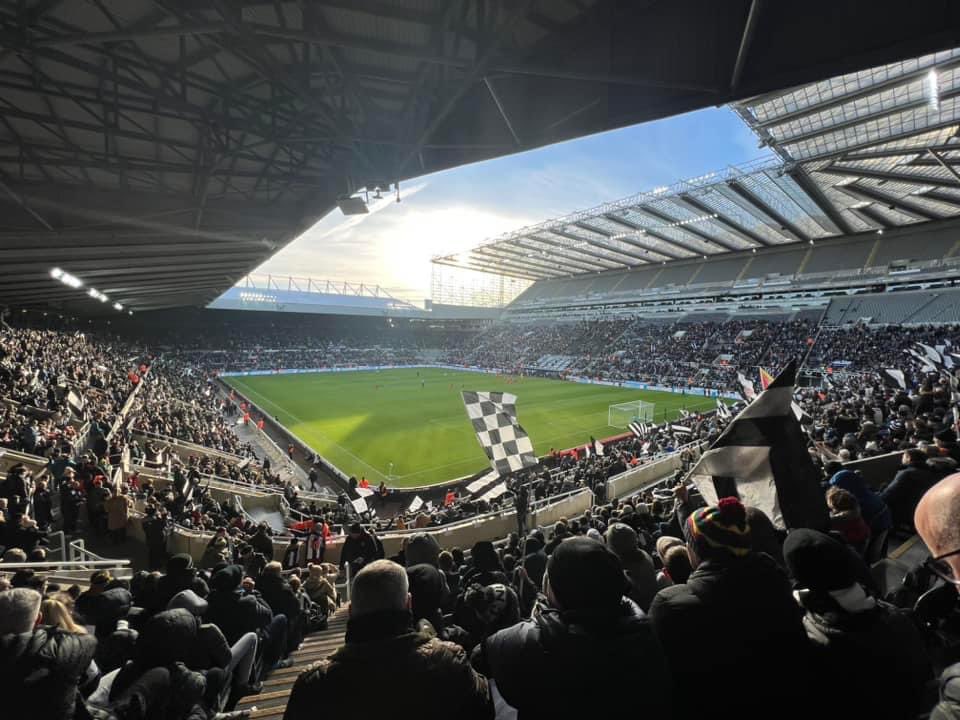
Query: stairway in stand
<point x="276" y="688"/>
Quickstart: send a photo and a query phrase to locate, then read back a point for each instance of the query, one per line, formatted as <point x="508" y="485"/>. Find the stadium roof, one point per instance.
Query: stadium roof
<point x="861" y="152"/>
<point x="159" y="150"/>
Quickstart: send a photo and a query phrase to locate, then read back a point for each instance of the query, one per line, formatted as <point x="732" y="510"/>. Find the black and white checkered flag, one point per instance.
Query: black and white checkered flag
<point x="494" y="418"/>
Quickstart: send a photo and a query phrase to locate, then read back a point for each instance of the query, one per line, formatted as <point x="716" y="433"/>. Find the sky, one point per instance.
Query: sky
<point x="454" y="210"/>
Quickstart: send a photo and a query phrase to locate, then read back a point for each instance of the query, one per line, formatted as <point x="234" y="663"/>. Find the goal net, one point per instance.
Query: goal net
<point x="622" y="414"/>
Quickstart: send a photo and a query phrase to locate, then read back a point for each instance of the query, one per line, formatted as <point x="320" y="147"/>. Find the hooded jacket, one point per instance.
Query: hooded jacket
<point x="234" y="612"/>
<point x="637" y="564"/>
<point x="40" y="672"/>
<point x="103" y="609"/>
<point x="576" y="664"/>
<point x="413" y="675"/>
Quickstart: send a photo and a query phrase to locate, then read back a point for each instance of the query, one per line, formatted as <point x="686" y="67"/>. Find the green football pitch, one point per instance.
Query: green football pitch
<point x="414" y="429"/>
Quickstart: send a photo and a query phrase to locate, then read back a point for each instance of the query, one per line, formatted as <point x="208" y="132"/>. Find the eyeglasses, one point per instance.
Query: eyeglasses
<point x="939" y="567"/>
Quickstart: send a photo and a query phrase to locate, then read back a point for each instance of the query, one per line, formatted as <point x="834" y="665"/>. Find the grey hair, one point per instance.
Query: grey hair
<point x="19" y="609"/>
<point x="381" y="585"/>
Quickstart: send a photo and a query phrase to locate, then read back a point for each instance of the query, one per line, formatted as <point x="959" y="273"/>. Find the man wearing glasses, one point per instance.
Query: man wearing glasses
<point x="938" y="522"/>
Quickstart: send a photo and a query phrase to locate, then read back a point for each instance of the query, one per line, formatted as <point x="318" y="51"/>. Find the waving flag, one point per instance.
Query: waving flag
<point x="765" y="379"/>
<point x="494" y="418"/>
<point x="746" y="387"/>
<point x="762" y="457"/>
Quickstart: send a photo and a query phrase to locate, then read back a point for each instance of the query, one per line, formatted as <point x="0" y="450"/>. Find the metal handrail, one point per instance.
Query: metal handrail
<point x="65" y="565"/>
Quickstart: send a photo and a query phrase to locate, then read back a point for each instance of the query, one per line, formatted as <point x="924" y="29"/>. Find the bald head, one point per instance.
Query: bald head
<point x="938" y="518"/>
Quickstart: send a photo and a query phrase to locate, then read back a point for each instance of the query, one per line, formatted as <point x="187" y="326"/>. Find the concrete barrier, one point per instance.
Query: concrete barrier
<point x="641" y="476"/>
<point x="878" y="470"/>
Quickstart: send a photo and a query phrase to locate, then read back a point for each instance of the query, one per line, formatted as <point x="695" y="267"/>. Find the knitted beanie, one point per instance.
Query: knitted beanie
<point x="720" y="530"/>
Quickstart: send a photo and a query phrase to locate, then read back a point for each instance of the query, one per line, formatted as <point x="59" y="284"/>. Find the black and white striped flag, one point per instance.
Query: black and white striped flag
<point x="681" y="430"/>
<point x="723" y="410"/>
<point x="746" y="387"/>
<point x="639" y="429"/>
<point x="894" y="378"/>
<point x="762" y="457"/>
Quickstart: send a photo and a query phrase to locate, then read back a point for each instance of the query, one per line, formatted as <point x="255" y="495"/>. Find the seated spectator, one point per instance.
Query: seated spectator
<point x="237" y="612"/>
<point x="874" y="647"/>
<point x="846" y="520"/>
<point x="277" y="593"/>
<point x="416" y="675"/>
<point x="181" y="575"/>
<point x="907" y="487"/>
<point x="874" y="510"/>
<point x="738" y="603"/>
<point x="41" y="667"/>
<point x="485" y="566"/>
<point x="542" y="666"/>
<point x="104" y="603"/>
<point x="637" y="564"/>
<point x="320" y="585"/>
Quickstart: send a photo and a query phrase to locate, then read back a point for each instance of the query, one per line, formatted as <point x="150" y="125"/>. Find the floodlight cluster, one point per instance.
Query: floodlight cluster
<point x="247" y="296"/>
<point x="76" y="283"/>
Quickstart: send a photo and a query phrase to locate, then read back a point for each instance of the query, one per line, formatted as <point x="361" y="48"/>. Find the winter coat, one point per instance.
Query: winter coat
<point x="278" y="594"/>
<point x="578" y="664"/>
<point x="262" y="543"/>
<point x="103" y="609"/>
<point x="236" y="613"/>
<point x="40" y="672"/>
<point x="872" y="506"/>
<point x="388" y="669"/>
<point x="733" y="619"/>
<point x="637" y="564"/>
<point x="363" y="547"/>
<point x="905" y="491"/>
<point x="173" y="583"/>
<point x="880" y="655"/>
<point x="118" y="511"/>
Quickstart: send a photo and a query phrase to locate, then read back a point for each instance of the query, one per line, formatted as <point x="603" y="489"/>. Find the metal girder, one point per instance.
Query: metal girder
<point x="580" y="261"/>
<point x="838" y="152"/>
<point x="597" y="244"/>
<point x="819" y="198"/>
<point x="869" y="215"/>
<point x="518" y="260"/>
<point x="767" y="210"/>
<point x="746" y="39"/>
<point x="540" y="260"/>
<point x="904" y="206"/>
<point x="697" y="233"/>
<point x="646" y="231"/>
<point x="634" y="241"/>
<point x="583" y="251"/>
<point x="892" y="176"/>
<point x="944" y="163"/>
<point x="727" y="222"/>
<point x="875" y="88"/>
<point x="942" y="197"/>
<point x="503" y="111"/>
<point x="898" y="152"/>
<point x="491" y="269"/>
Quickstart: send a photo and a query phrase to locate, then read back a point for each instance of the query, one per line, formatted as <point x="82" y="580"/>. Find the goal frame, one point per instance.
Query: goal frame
<point x="620" y="415"/>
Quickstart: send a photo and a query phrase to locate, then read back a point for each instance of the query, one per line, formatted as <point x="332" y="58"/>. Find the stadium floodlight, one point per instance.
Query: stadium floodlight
<point x="66" y="278"/>
<point x="118" y="306"/>
<point x="56" y="273"/>
<point x="129" y="312"/>
<point x="622" y="414"/>
<point x="97" y="295"/>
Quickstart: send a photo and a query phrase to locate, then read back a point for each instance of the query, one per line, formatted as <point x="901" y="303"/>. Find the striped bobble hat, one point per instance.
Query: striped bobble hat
<point x="720" y="529"/>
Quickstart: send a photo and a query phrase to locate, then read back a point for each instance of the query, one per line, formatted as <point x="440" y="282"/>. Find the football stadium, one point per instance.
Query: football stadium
<point x="501" y="359"/>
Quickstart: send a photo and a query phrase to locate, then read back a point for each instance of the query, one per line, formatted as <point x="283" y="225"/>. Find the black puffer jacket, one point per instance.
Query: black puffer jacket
<point x="578" y="664"/>
<point x="281" y="598"/>
<point x="731" y="620"/>
<point x="103" y="609"/>
<point x="949" y="706"/>
<point x="235" y="613"/>
<point x="40" y="672"/>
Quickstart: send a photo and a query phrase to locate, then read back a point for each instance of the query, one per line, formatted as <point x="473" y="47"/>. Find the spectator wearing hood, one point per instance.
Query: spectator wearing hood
<point x="874" y="647"/>
<point x="541" y="665"/>
<point x="738" y="603"/>
<point x="872" y="507"/>
<point x="427" y="590"/>
<point x="181" y="575"/>
<point x="104" y="603"/>
<point x="637" y="564"/>
<point x="277" y="593"/>
<point x="237" y="612"/>
<point x="358" y="549"/>
<point x="40" y="667"/>
<point x="415" y="674"/>
<point x="485" y="566"/>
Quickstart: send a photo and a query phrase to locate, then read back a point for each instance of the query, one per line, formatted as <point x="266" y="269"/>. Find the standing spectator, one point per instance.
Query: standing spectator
<point x="637" y="564"/>
<point x="155" y="529"/>
<point x="358" y="549"/>
<point x="909" y="485"/>
<point x="541" y="666"/>
<point x="739" y="601"/>
<point x="117" y="508"/>
<point x="416" y="674"/>
<point x="42" y="506"/>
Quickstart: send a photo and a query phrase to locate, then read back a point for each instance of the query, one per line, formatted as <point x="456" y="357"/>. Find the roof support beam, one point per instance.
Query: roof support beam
<point x="544" y="259"/>
<point x="503" y="111"/>
<point x="819" y="198"/>
<point x="767" y="210"/>
<point x="578" y="262"/>
<point x="944" y="163"/>
<point x="599" y="244"/>
<point x="646" y="231"/>
<point x="889" y="176"/>
<point x="583" y="251"/>
<point x="729" y="223"/>
<point x="942" y="197"/>
<point x="904" y="206"/>
<point x="664" y="218"/>
<point x="491" y="269"/>
<point x="519" y="259"/>
<point x="871" y="216"/>
<point x="746" y="39"/>
<point x="899" y="152"/>
<point x="648" y="248"/>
